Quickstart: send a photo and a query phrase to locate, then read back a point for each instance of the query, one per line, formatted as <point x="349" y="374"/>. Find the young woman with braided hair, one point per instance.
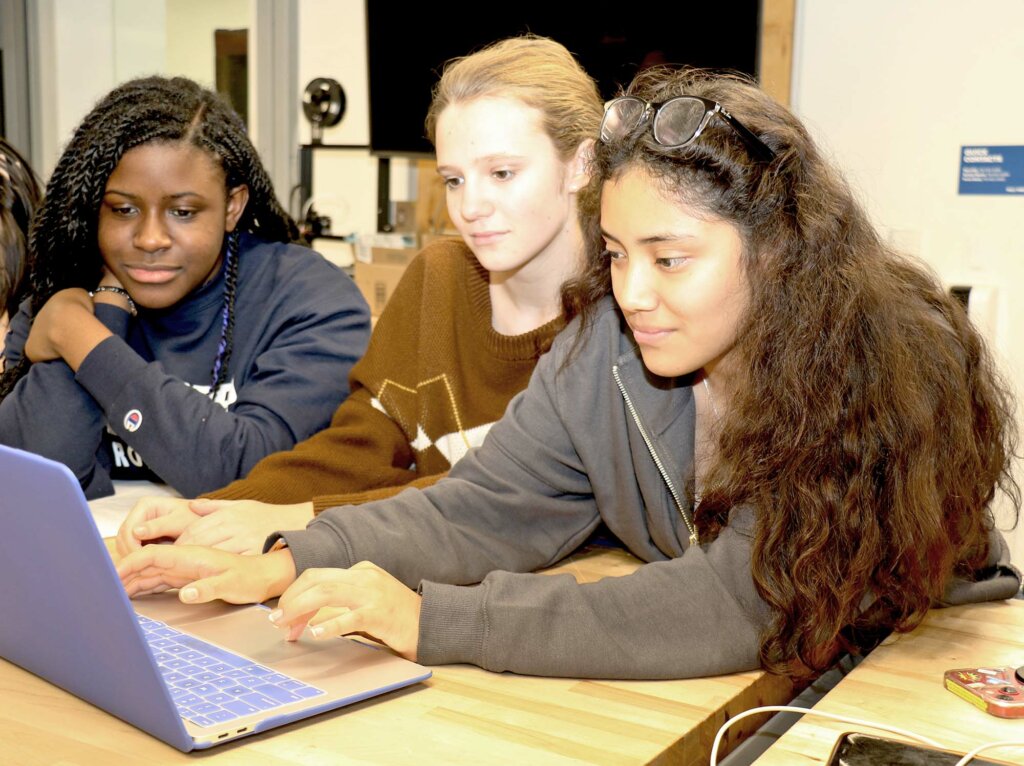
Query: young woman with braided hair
<point x="796" y="429"/>
<point x="172" y="329"/>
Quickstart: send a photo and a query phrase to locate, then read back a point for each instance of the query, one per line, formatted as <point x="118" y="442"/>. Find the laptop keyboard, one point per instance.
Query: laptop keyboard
<point x="211" y="685"/>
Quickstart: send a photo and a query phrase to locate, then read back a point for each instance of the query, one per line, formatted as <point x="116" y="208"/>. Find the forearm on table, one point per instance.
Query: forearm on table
<point x="362" y="450"/>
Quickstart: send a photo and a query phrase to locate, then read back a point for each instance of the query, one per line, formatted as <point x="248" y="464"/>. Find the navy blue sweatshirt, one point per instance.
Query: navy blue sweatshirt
<point x="140" y="405"/>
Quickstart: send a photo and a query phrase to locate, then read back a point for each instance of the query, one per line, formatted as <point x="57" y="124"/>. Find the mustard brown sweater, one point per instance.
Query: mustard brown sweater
<point x="435" y="378"/>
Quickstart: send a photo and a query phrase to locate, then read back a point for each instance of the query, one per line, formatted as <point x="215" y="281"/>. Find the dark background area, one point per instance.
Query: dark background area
<point x="408" y="44"/>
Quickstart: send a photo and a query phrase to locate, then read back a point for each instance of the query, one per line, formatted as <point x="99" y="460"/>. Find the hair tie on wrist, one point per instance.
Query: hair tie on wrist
<point x="119" y="291"/>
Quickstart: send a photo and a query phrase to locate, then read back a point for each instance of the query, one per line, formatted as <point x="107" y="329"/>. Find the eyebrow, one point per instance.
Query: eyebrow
<point x="131" y="196"/>
<point x="499" y="157"/>
<point x="652" y="239"/>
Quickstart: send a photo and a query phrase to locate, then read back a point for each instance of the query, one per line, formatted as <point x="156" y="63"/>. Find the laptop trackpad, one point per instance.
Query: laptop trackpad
<point x="339" y="666"/>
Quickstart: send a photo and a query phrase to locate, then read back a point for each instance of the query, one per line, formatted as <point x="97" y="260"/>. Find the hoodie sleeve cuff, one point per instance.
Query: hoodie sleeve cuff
<point x="453" y="625"/>
<point x="311" y="550"/>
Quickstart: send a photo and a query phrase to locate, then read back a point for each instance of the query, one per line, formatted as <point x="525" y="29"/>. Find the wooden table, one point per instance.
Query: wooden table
<point x="461" y="715"/>
<point x="109" y="512"/>
<point x="900" y="684"/>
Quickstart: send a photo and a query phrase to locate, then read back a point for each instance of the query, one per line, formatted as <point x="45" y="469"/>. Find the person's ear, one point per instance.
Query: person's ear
<point x="579" y="165"/>
<point x="238" y="198"/>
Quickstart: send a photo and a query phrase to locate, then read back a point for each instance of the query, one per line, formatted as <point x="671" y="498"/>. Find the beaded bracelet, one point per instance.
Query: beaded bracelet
<point x="119" y="291"/>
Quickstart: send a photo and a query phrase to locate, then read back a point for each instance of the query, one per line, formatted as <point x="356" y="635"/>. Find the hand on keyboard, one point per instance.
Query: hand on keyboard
<point x="205" y="574"/>
<point x="361" y="599"/>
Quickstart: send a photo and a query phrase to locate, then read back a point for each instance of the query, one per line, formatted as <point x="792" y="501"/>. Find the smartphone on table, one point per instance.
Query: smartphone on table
<point x="859" y="749"/>
<point x="998" y="691"/>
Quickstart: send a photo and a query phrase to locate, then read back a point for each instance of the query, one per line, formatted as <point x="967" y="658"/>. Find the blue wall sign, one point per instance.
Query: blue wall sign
<point x="991" y="170"/>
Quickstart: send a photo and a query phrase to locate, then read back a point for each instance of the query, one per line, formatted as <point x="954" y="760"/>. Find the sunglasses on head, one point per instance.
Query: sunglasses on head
<point x="676" y="123"/>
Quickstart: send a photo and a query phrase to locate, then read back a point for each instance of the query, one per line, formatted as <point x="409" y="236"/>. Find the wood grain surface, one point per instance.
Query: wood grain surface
<point x="901" y="684"/>
<point x="461" y="715"/>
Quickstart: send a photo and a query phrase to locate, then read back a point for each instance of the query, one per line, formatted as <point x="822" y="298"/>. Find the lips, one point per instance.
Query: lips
<point x="152" y="275"/>
<point x="649" y="335"/>
<point x="487" y="237"/>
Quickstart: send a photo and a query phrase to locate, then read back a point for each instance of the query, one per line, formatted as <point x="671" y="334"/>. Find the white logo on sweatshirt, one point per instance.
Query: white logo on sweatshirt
<point x="226" y="394"/>
<point x="133" y="420"/>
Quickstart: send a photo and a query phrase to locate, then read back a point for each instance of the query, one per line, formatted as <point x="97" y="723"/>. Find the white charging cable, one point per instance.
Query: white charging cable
<point x="972" y="754"/>
<point x="822" y="714"/>
<point x="855" y="722"/>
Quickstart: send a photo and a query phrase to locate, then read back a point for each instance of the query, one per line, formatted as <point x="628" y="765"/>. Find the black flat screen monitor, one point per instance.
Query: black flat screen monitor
<point x="408" y="43"/>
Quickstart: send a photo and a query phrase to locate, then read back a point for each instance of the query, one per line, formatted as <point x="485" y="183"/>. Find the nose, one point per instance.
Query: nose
<point x="635" y="284"/>
<point x="474" y="202"/>
<point x="151" y="235"/>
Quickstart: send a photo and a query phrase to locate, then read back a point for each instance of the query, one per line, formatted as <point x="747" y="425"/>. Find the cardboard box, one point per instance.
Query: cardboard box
<point x="367" y="243"/>
<point x="338" y="251"/>
<point x="392" y="256"/>
<point x="377" y="282"/>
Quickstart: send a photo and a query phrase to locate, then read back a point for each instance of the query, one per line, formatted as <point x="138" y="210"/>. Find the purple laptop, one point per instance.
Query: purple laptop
<point x="192" y="676"/>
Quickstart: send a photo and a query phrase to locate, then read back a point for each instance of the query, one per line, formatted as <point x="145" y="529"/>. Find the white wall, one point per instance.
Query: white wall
<point x="75" y="68"/>
<point x="139" y="38"/>
<point x="895" y="88"/>
<point x="189" y="34"/>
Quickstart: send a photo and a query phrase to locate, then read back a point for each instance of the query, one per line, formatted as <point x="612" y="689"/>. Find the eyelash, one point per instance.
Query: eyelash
<point x="126" y="210"/>
<point x="669" y="264"/>
<point x="500" y="175"/>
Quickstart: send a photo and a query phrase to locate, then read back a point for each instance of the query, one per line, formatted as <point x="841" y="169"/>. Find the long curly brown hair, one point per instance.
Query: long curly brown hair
<point x="868" y="426"/>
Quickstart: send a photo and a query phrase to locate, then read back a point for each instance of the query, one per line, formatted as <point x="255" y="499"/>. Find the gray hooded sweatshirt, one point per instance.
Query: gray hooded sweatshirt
<point x="598" y="440"/>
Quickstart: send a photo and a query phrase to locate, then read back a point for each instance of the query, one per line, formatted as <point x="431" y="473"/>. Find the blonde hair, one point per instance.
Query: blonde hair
<point x="535" y="70"/>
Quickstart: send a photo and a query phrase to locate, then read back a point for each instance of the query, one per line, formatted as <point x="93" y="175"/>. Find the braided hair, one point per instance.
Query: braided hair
<point x="63" y="242"/>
